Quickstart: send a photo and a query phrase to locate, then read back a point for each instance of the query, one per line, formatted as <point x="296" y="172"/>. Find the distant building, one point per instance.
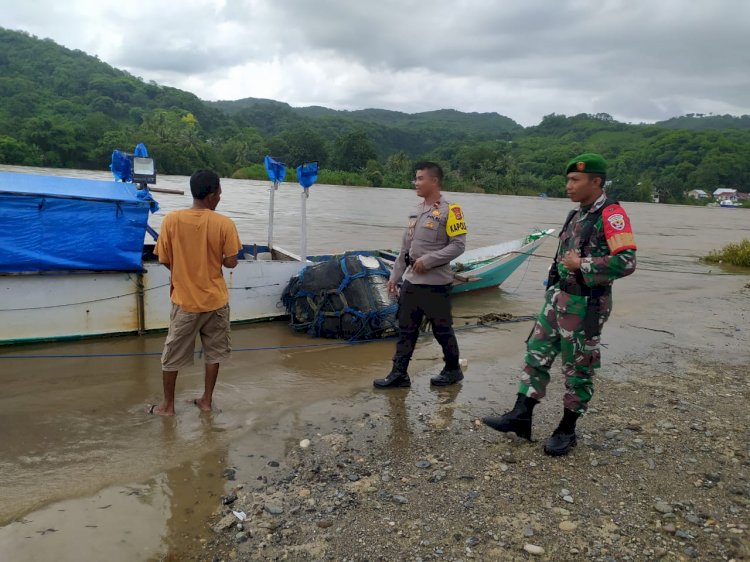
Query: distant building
<point x="725" y="194"/>
<point x="743" y="196"/>
<point x="697" y="194"/>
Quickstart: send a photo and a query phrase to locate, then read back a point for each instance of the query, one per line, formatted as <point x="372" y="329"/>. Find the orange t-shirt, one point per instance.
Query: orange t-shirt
<point x="194" y="242"/>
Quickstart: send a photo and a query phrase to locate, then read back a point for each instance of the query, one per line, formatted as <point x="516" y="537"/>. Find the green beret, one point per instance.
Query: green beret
<point x="589" y="163"/>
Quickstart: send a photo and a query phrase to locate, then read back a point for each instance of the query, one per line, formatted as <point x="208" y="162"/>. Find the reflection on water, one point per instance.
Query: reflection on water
<point x="133" y="522"/>
<point x="75" y="428"/>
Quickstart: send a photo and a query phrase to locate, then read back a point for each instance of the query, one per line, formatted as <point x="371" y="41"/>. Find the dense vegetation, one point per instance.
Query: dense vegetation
<point x="734" y="254"/>
<point x="63" y="108"/>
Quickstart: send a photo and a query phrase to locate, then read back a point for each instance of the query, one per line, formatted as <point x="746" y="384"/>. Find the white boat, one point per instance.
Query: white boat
<point x="86" y="280"/>
<point x="729" y="204"/>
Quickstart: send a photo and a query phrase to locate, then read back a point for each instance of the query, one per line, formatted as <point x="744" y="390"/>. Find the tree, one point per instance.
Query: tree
<point x="354" y="150"/>
<point x="305" y="145"/>
<point x="373" y="173"/>
<point x="17" y="152"/>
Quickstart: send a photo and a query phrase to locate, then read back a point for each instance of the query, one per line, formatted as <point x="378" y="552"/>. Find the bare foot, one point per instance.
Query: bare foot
<point x="156" y="410"/>
<point x="202" y="405"/>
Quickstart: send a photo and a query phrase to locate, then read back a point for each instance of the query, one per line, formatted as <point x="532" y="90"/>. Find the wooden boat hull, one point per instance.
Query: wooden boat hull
<point x="478" y="269"/>
<point x="73" y="305"/>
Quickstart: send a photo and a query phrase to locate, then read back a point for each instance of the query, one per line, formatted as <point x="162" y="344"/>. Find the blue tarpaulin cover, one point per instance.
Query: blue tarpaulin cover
<point x="50" y="223"/>
<point x="276" y="170"/>
<point x="307" y="174"/>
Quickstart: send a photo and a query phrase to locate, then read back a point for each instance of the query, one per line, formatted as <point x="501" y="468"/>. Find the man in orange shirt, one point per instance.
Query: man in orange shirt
<point x="194" y="244"/>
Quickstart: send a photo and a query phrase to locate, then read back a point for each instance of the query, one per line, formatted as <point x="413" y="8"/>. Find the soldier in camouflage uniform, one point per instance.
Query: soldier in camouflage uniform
<point x="596" y="247"/>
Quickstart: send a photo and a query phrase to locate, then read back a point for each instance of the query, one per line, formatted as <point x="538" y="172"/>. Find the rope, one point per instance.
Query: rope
<point x="249" y="288"/>
<point x="82" y="302"/>
<point x="523" y="277"/>
<point x="485" y="320"/>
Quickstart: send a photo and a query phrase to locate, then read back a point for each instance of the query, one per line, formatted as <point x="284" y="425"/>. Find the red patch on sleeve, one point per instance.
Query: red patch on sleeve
<point x="617" y="229"/>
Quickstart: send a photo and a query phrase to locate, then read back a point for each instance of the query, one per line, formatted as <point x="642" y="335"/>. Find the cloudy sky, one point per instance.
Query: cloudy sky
<point x="639" y="60"/>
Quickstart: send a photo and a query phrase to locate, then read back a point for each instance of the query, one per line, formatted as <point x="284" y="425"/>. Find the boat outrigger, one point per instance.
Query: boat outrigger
<point x="73" y="263"/>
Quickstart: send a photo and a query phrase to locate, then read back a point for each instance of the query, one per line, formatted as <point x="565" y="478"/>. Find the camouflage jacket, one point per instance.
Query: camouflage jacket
<point x="610" y="251"/>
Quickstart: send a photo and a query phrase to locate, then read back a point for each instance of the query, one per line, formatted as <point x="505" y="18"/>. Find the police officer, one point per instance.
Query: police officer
<point x="596" y="247"/>
<point x="436" y="234"/>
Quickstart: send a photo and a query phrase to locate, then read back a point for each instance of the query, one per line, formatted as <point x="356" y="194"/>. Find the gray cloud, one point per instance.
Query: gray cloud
<point x="636" y="59"/>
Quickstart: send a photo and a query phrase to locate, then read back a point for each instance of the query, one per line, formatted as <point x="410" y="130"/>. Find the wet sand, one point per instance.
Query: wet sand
<point x="85" y="474"/>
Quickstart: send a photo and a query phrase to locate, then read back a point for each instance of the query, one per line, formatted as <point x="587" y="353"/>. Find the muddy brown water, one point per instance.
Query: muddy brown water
<point x="84" y="472"/>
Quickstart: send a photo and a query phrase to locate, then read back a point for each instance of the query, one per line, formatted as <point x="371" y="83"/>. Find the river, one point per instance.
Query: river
<point x="83" y="470"/>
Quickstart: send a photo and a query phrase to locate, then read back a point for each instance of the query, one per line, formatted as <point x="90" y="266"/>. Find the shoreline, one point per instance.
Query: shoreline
<point x="662" y="471"/>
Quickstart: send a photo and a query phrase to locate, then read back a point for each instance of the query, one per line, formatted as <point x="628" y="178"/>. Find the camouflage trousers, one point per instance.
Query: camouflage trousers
<point x="559" y="329"/>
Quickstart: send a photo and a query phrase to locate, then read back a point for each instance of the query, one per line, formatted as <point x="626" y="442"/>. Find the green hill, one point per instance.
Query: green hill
<point x="701" y="122"/>
<point x="64" y="108"/>
<point x="61" y="105"/>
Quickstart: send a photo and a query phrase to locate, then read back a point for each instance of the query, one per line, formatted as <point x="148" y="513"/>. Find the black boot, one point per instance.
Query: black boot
<point x="563" y="439"/>
<point x="517" y="421"/>
<point x="447" y="377"/>
<point x="397" y="378"/>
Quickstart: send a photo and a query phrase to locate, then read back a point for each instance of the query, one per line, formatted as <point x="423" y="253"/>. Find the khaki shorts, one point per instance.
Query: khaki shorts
<point x="213" y="327"/>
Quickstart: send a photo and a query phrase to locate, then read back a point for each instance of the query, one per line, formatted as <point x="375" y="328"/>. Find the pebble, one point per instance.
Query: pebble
<point x="651" y="463"/>
<point x="241" y="537"/>
<point x="528" y="532"/>
<point x="438" y="476"/>
<point x="663" y="507"/>
<point x="669" y="528"/>
<point x="564" y="492"/>
<point x="353" y="477"/>
<point x="691" y="552"/>
<point x="400" y="499"/>
<point x="324" y="524"/>
<point x="568" y="525"/>
<point x="225" y="523"/>
<point x="561" y="511"/>
<point x="683" y="535"/>
<point x="229" y="499"/>
<point x="533" y="549"/>
<point x="471" y="541"/>
<point x="568" y="499"/>
<point x="273" y="509"/>
<point x="424" y="463"/>
<point x="305" y="443"/>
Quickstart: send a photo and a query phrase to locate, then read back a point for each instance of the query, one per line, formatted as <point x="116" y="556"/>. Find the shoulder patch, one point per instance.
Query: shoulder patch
<point x="617" y="229"/>
<point x="456" y="223"/>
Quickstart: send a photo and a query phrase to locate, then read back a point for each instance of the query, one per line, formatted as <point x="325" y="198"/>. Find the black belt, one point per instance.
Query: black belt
<point x="585" y="291"/>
